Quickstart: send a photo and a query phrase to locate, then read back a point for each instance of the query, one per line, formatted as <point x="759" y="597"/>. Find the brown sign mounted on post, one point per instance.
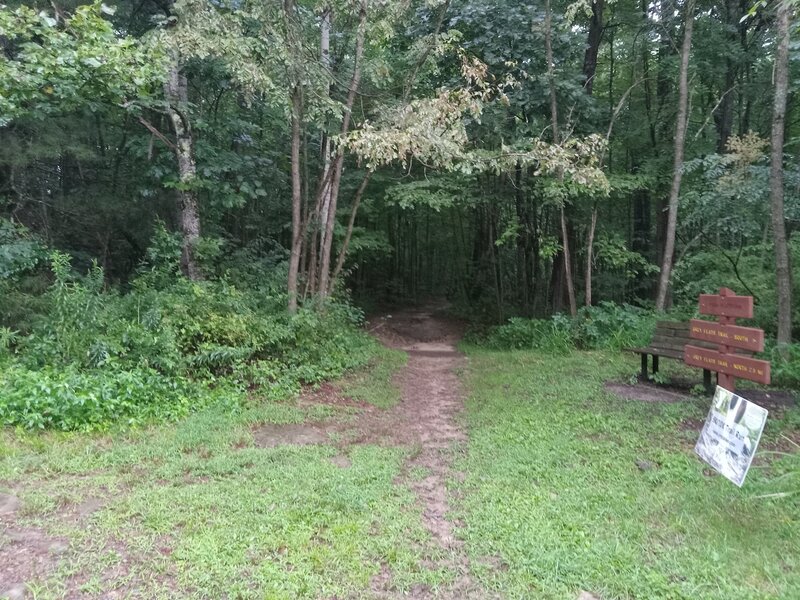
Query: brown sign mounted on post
<point x="730" y="337"/>
<point x="746" y="338"/>
<point x="738" y="307"/>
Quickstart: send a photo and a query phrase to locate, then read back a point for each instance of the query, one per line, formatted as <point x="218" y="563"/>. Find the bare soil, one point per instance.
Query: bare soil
<point x="26" y="553"/>
<point x="427" y="419"/>
<point x="644" y="392"/>
<point x="269" y="436"/>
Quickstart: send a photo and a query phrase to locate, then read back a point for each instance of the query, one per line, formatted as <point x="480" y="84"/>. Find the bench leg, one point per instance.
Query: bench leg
<point x="707" y="382"/>
<point x="655" y="364"/>
<point x="644" y="367"/>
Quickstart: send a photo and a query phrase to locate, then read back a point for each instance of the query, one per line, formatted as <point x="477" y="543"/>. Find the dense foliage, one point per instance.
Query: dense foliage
<point x="176" y="174"/>
<point x="607" y="326"/>
<point x="94" y="356"/>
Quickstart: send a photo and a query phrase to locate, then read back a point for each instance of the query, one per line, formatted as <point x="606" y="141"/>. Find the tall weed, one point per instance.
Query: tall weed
<point x="97" y="356"/>
<point x="606" y="326"/>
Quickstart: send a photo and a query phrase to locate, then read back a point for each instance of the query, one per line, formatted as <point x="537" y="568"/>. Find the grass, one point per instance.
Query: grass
<point x="374" y="384"/>
<point x="198" y="511"/>
<point x="554" y="492"/>
<point x="552" y="501"/>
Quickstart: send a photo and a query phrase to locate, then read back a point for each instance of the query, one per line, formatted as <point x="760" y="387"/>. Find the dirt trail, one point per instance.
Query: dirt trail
<point x="427" y="419"/>
<point x="431" y="400"/>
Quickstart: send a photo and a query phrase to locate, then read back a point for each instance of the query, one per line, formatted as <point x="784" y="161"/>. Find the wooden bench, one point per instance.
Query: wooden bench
<point x="668" y="340"/>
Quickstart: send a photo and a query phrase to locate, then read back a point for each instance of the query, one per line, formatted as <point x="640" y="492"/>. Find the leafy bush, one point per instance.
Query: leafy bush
<point x="20" y="251"/>
<point x="612" y="326"/>
<point x="21" y="254"/>
<point x="73" y="399"/>
<point x="606" y="326"/>
<point x="754" y="274"/>
<point x="97" y="356"/>
<point x="552" y="335"/>
<point x="785" y="365"/>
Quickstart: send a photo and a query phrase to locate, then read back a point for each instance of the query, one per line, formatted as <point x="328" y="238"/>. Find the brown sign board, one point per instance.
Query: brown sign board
<point x="729" y="364"/>
<point x="738" y="307"/>
<point x="746" y="338"/>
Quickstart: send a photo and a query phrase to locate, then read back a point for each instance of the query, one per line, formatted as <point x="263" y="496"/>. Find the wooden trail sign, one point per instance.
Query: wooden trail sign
<point x="723" y="305"/>
<point x="728" y="365"/>
<point x="746" y="338"/>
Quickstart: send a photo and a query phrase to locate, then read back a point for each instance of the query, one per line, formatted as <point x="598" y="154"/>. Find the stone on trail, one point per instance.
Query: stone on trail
<point x="8" y="504"/>
<point x="16" y="592"/>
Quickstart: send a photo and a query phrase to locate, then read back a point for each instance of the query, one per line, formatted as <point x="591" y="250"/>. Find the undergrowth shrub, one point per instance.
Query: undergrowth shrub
<point x="98" y="356"/>
<point x="552" y="335"/>
<point x="749" y="272"/>
<point x="612" y="326"/>
<point x="605" y="326"/>
<point x="68" y="398"/>
<point x="785" y="365"/>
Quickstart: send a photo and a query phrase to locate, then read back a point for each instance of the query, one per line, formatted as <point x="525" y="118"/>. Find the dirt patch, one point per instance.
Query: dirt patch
<point x="644" y="392"/>
<point x="120" y="576"/>
<point x="341" y="461"/>
<point x="787" y="442"/>
<point x="407" y="330"/>
<point x="694" y="425"/>
<point x="88" y="507"/>
<point x="329" y="394"/>
<point x="26" y="554"/>
<point x="269" y="436"/>
<point x="775" y="401"/>
<point x="8" y="504"/>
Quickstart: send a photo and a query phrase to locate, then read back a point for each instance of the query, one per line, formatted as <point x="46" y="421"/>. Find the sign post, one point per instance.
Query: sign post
<point x="727" y="363"/>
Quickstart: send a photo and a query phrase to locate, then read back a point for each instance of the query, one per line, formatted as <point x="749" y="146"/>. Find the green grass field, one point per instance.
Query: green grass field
<point x="552" y="501"/>
<point x="554" y="490"/>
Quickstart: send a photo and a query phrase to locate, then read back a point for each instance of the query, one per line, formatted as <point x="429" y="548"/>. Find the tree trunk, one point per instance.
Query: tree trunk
<point x="548" y="40"/>
<point x="680" y="137"/>
<point x="589" y="256"/>
<point x="350" y="225"/>
<point x="648" y="92"/>
<point x="338" y="164"/>
<point x="589" y="69"/>
<point x="523" y="243"/>
<point x="325" y="58"/>
<point x="723" y="115"/>
<point x="593" y="45"/>
<point x="297" y="202"/>
<point x="573" y="306"/>
<point x="297" y="225"/>
<point x="177" y="96"/>
<point x="782" y="269"/>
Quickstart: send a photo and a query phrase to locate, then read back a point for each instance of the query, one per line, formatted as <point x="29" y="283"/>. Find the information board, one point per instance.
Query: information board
<point x="731" y="434"/>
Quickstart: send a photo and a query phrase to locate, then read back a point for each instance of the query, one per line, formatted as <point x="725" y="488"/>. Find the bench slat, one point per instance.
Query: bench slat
<point x="669" y="339"/>
<point x="673" y="325"/>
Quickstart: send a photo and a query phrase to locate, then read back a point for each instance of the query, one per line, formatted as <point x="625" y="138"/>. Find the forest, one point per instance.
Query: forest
<point x="210" y="207"/>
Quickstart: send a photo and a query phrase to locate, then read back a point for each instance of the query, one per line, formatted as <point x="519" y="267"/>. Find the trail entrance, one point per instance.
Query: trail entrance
<point x="426" y="419"/>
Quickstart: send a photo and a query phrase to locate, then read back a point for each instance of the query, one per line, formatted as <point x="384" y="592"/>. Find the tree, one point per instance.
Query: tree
<point x="677" y="169"/>
<point x="176" y="94"/>
<point x="573" y="308"/>
<point x="782" y="270"/>
<point x="53" y="65"/>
